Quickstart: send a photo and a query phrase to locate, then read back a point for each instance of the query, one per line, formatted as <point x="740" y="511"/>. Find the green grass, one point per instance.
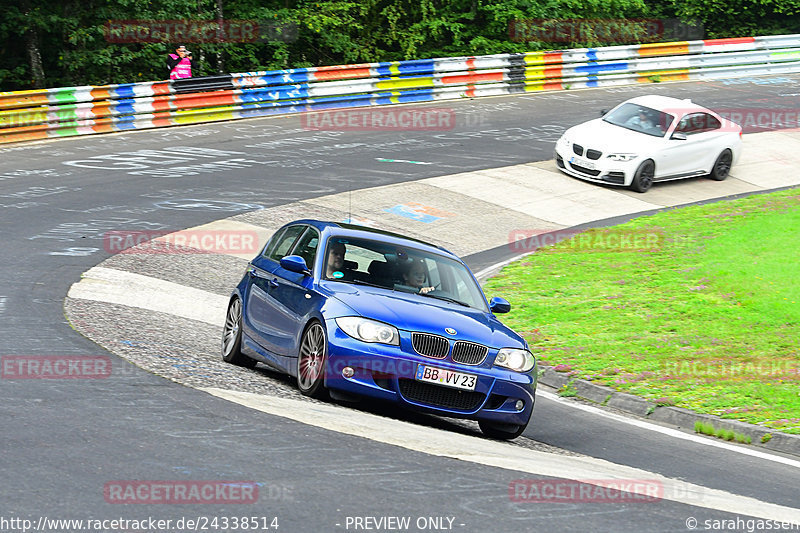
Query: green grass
<point x="567" y="391"/>
<point x="707" y="319"/>
<point x="724" y="434"/>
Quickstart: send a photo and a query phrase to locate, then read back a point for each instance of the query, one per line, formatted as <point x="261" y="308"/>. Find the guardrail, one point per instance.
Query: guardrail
<point x="67" y="111"/>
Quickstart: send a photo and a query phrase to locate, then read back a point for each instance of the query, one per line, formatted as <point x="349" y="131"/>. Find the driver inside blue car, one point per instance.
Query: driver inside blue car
<point x="335" y="264"/>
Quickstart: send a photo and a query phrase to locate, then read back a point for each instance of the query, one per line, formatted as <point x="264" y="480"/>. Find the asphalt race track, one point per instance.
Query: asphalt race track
<point x="65" y="440"/>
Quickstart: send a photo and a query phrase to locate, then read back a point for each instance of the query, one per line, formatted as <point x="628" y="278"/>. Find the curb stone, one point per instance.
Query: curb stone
<point x="676" y="416"/>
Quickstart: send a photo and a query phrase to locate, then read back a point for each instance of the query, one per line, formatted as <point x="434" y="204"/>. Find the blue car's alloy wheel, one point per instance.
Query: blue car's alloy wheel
<point x="232" y="336"/>
<point x="311" y="362"/>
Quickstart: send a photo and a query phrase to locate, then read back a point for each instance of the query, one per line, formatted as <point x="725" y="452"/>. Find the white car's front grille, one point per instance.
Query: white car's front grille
<point x="593" y="154"/>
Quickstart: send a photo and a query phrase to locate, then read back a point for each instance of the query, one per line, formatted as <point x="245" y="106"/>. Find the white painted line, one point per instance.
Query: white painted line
<point x="498" y="454"/>
<point x="368" y="171"/>
<point x="144" y="292"/>
<point x="497" y="266"/>
<point x="643" y="424"/>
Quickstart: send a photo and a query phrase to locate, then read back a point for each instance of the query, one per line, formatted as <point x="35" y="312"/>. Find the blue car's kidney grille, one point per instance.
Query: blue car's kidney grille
<point x="430" y="345"/>
<point x="437" y="396"/>
<point x="469" y="353"/>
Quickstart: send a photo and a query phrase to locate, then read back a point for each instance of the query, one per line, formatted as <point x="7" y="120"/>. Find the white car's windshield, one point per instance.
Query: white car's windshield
<point x="641" y="119"/>
<point x="401" y="268"/>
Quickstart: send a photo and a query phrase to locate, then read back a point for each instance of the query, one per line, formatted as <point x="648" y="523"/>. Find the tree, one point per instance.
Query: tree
<point x="70" y="42"/>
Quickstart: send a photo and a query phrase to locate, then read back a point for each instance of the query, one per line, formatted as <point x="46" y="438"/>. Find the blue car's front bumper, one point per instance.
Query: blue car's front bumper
<point x="388" y="372"/>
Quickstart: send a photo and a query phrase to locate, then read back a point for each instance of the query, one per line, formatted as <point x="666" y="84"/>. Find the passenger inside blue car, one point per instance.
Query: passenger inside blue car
<point x="415" y="277"/>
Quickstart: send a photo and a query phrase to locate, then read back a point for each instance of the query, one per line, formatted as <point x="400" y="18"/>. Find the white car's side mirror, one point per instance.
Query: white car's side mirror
<point x="678" y="136"/>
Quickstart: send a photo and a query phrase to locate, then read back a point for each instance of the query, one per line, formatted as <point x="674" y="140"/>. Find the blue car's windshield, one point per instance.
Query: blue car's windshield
<point x="640" y="118"/>
<point x="401" y="268"/>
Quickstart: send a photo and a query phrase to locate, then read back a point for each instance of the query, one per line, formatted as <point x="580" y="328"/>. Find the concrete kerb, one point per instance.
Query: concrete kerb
<point x="675" y="416"/>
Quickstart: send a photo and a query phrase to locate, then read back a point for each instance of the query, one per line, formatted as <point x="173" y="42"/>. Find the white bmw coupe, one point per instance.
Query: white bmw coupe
<point x="648" y="139"/>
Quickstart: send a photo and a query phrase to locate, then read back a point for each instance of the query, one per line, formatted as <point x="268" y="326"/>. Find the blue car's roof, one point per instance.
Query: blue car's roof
<point x="353" y="230"/>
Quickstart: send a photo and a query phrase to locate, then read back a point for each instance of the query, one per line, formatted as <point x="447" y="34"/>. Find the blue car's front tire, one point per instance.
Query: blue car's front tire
<point x="232" y="336"/>
<point x="311" y="362"/>
<point x="495" y="430"/>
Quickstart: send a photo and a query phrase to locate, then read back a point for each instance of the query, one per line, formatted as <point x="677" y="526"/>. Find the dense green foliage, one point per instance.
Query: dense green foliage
<point x="69" y="36"/>
<point x="734" y="18"/>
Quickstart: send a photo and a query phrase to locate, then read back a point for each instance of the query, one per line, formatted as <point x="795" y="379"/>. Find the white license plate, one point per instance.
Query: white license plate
<point x="581" y="162"/>
<point x="448" y="378"/>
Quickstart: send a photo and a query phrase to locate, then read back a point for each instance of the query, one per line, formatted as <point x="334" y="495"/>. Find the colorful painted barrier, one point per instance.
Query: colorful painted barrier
<point x="68" y="111"/>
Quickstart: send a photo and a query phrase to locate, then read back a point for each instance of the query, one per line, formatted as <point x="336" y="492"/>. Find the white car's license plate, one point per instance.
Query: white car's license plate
<point x="581" y="162"/>
<point x="448" y="378"/>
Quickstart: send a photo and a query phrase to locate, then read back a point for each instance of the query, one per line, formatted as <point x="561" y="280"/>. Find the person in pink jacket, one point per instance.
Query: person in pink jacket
<point x="180" y="63"/>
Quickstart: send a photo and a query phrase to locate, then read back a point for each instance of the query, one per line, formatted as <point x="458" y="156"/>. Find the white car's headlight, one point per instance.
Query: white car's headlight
<point x="622" y="157"/>
<point x="515" y="359"/>
<point x="367" y="330"/>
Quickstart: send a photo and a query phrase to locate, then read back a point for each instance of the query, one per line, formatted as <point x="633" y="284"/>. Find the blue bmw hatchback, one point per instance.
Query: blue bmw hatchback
<point x="354" y="311"/>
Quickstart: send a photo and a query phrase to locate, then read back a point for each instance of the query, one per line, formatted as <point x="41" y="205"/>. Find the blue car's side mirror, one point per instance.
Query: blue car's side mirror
<point x="295" y="263"/>
<point x="499" y="305"/>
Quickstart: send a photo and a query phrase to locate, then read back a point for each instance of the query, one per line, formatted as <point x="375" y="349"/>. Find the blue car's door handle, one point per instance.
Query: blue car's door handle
<point x="256" y="273"/>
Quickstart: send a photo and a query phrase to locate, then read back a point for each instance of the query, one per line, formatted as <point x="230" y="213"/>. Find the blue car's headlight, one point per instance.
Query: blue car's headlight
<point x="515" y="359"/>
<point x="367" y="330"/>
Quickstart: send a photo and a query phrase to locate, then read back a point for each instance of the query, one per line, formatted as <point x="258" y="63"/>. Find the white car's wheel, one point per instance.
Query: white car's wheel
<point x="643" y="178"/>
<point x="722" y="167"/>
